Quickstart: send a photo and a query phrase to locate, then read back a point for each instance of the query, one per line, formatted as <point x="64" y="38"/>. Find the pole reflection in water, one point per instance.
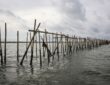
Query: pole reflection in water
<point x="89" y="67"/>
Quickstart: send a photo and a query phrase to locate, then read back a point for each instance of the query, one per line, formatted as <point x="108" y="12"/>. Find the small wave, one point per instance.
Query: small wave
<point x="107" y="56"/>
<point x="106" y="76"/>
<point x="91" y="73"/>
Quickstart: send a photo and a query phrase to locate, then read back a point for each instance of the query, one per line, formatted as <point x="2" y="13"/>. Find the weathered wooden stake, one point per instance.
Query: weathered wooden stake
<point x="61" y="44"/>
<point x="67" y="50"/>
<point x="40" y="59"/>
<point x="5" y="51"/>
<point x="48" y="56"/>
<point x="21" y="63"/>
<point x="43" y="48"/>
<point x="1" y="49"/>
<point x="27" y="43"/>
<point x="17" y="46"/>
<point x="53" y="45"/>
<point x="36" y="46"/>
<point x="65" y="44"/>
<point x="50" y="43"/>
<point x="57" y="46"/>
<point x="32" y="47"/>
<point x="40" y="51"/>
<point x="46" y="40"/>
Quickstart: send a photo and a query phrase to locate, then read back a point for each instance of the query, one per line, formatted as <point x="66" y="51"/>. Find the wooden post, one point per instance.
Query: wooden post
<point x="86" y="43"/>
<point x="40" y="51"/>
<point x="50" y="43"/>
<point x="61" y="44"/>
<point x="17" y="46"/>
<point x="43" y="48"/>
<point x="32" y="48"/>
<point x="57" y="47"/>
<point x="29" y="44"/>
<point x="67" y="45"/>
<point x="46" y="39"/>
<point x="30" y="37"/>
<point x="39" y="42"/>
<point x="46" y="36"/>
<point x="79" y="43"/>
<point x="55" y="42"/>
<point x="53" y="45"/>
<point x="48" y="56"/>
<point x="5" y="51"/>
<point x="76" y="47"/>
<point x="72" y="44"/>
<point x="36" y="45"/>
<point x="40" y="59"/>
<point x="1" y="49"/>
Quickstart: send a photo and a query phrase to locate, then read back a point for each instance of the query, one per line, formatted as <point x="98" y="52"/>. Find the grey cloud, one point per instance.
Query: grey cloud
<point x="23" y="4"/>
<point x="71" y="8"/>
<point x="73" y="14"/>
<point x="14" y="23"/>
<point x="80" y="17"/>
<point x="9" y="17"/>
<point x="95" y="30"/>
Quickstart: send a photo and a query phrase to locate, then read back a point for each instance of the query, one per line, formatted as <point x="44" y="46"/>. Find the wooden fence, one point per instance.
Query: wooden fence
<point x="49" y="45"/>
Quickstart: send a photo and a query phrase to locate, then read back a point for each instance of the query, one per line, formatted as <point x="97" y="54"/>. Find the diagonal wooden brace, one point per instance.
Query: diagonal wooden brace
<point x="21" y="63"/>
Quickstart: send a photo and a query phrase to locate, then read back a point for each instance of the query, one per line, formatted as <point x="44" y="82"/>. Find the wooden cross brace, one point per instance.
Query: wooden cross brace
<point x="21" y="63"/>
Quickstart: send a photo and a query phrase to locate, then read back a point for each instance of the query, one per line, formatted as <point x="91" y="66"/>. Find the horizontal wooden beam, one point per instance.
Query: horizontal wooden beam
<point x="55" y="34"/>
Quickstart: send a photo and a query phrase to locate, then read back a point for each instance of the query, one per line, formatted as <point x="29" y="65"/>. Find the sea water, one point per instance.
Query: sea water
<point x="85" y="67"/>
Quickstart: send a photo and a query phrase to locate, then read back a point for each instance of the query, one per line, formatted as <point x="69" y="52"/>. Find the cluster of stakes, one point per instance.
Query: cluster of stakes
<point x="49" y="45"/>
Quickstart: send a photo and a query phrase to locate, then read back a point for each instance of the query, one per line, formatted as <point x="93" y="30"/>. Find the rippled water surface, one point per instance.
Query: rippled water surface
<point x="88" y="67"/>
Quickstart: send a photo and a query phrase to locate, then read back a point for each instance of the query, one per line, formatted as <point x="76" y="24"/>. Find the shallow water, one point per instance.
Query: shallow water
<point x="88" y="67"/>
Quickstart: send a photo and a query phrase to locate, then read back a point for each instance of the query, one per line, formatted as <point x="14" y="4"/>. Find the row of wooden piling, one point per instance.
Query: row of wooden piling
<point x="49" y="45"/>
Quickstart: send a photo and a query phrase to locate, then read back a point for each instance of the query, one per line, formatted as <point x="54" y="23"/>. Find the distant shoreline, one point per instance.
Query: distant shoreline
<point x="23" y="42"/>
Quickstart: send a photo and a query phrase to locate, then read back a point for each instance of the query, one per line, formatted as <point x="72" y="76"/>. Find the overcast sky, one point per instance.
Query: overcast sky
<point x="76" y="17"/>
